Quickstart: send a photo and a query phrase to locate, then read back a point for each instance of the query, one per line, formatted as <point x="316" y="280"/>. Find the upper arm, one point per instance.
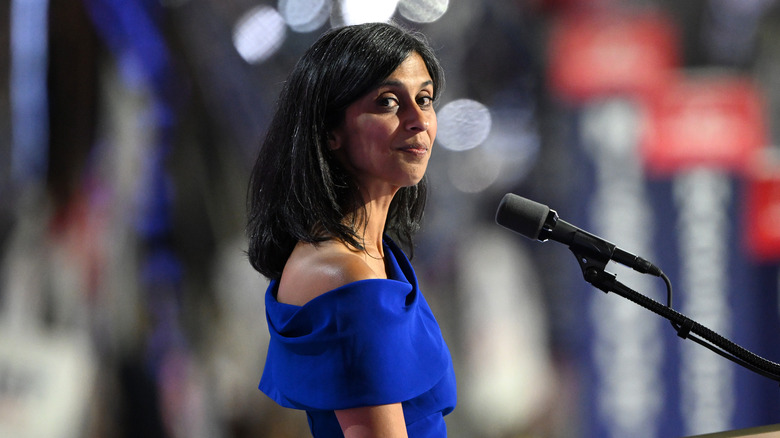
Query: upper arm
<point x="383" y="421"/>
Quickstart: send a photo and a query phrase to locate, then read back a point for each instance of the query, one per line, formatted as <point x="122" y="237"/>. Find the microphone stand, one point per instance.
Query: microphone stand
<point x="593" y="263"/>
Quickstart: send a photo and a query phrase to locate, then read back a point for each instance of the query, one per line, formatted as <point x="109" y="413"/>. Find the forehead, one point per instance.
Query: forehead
<point x="413" y="68"/>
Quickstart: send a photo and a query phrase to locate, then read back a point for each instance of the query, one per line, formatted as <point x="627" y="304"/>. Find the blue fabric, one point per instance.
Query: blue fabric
<point x="367" y="343"/>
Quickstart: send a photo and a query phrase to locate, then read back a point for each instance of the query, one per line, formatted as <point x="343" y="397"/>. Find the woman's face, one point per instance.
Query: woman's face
<point x="386" y="137"/>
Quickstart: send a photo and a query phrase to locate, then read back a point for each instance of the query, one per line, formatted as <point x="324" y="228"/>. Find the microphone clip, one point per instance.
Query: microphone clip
<point x="592" y="254"/>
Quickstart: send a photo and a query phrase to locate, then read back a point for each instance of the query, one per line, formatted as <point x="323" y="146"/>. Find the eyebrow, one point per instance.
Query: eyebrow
<point x="394" y="83"/>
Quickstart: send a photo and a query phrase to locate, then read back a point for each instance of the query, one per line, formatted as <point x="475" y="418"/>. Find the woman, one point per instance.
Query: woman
<point x="353" y="341"/>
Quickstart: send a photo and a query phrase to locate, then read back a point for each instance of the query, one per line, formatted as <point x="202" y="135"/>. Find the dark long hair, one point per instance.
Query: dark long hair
<point x="297" y="190"/>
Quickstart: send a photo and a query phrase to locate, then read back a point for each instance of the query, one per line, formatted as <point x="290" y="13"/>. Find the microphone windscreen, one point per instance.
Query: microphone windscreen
<point x="522" y="215"/>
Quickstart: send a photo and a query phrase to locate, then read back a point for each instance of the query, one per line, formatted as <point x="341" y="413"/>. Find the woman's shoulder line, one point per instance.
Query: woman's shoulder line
<point x="313" y="270"/>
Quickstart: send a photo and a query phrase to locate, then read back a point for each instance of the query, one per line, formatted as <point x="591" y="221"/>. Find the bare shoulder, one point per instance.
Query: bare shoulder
<point x="313" y="270"/>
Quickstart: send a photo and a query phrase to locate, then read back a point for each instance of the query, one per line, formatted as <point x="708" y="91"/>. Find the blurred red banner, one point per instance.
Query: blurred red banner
<point x="707" y="120"/>
<point x="762" y="209"/>
<point x="592" y="55"/>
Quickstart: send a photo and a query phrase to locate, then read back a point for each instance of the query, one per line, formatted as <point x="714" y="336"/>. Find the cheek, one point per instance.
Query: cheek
<point x="373" y="130"/>
<point x="364" y="141"/>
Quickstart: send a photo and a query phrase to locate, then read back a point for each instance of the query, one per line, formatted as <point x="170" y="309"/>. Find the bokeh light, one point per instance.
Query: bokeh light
<point x="259" y="33"/>
<point x="349" y="12"/>
<point x="422" y="11"/>
<point x="507" y="148"/>
<point x="463" y="124"/>
<point x="474" y="170"/>
<point x="305" y="15"/>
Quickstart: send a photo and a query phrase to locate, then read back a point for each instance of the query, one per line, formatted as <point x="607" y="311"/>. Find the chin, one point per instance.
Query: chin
<point x="413" y="182"/>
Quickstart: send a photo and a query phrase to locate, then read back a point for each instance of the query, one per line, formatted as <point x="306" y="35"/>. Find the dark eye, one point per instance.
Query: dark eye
<point x="388" y="102"/>
<point x="425" y="101"/>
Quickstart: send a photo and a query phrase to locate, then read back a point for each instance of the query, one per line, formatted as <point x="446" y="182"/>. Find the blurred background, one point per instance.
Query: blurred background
<point x="128" y="129"/>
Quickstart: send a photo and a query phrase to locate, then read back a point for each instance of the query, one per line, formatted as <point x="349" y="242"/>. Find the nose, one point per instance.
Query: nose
<point x="418" y="120"/>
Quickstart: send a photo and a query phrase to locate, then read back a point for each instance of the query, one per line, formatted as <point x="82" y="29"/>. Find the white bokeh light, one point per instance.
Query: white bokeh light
<point x="305" y="15"/>
<point x="473" y="171"/>
<point x="422" y="11"/>
<point x="259" y="33"/>
<point x="349" y="12"/>
<point x="504" y="158"/>
<point x="463" y="124"/>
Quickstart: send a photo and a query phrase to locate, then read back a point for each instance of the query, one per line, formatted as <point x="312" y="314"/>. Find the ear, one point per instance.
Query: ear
<point x="333" y="141"/>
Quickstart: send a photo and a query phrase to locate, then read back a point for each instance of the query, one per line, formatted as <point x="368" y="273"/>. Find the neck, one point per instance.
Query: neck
<point x="376" y="209"/>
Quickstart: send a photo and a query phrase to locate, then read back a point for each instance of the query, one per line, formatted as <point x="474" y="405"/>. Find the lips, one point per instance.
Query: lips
<point x="417" y="149"/>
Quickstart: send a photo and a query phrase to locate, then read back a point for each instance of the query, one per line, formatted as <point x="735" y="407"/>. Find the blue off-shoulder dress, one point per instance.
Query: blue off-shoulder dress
<point x="367" y="343"/>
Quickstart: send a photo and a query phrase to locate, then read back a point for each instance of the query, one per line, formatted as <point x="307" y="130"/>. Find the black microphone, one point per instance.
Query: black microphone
<point x="538" y="222"/>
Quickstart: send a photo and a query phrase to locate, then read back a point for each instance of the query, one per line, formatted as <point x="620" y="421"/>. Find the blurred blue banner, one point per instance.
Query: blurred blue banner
<point x="640" y="379"/>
